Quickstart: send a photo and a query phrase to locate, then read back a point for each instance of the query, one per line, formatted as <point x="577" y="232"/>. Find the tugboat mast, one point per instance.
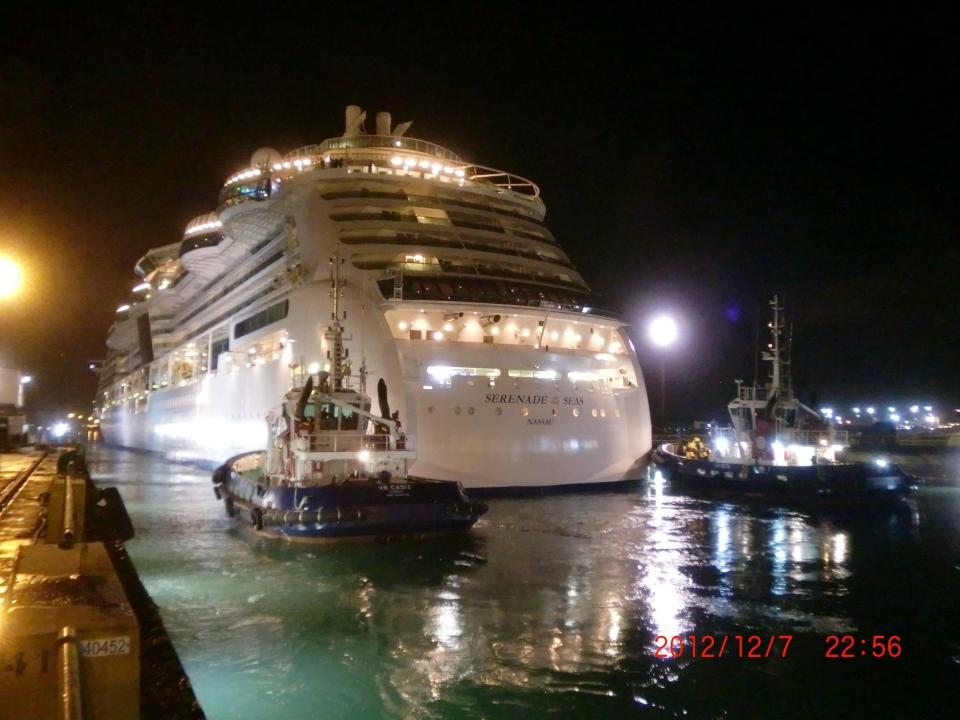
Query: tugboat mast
<point x="334" y="332"/>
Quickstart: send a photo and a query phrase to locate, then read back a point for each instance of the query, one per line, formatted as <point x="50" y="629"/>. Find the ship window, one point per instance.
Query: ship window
<point x="265" y="317"/>
<point x="431" y="216"/>
<point x="539" y="374"/>
<point x="218" y="346"/>
<point x="444" y="374"/>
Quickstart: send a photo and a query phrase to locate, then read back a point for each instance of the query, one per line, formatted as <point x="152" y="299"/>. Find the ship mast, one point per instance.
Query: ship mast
<point x="774" y="354"/>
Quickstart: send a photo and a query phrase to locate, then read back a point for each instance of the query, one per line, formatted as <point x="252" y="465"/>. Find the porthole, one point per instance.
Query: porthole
<point x="576" y="412"/>
<point x="498" y="411"/>
<point x="456" y="410"/>
<point x="594" y="412"/>
<point x="603" y="413"/>
<point x="524" y="411"/>
<point x="470" y="411"/>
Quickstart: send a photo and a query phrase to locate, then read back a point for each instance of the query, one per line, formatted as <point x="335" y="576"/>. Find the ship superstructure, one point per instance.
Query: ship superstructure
<point x="464" y="311"/>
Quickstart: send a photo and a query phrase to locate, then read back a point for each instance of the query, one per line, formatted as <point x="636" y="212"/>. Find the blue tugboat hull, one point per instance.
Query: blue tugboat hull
<point x="832" y="482"/>
<point x="358" y="509"/>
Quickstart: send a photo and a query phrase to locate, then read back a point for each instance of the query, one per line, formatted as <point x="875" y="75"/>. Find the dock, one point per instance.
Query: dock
<point x="81" y="638"/>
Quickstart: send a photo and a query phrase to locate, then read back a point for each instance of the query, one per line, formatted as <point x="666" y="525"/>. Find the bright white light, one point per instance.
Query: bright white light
<point x="928" y="408"/>
<point x="441" y="373"/>
<point x="914" y="409"/>
<point x="448" y="327"/>
<point x="826" y="412"/>
<point x="663" y="330"/>
<point x="401" y="326"/>
<point x="856" y="411"/>
<point x="123" y="308"/>
<point x="545" y="374"/>
<point x="894" y="417"/>
<point x="60" y="429"/>
<point x="871" y="411"/>
<point x="364" y="455"/>
<point x="142" y="287"/>
<point x="438" y="335"/>
<point x="575" y="376"/>
<point x="721" y="445"/>
<point x="880" y="462"/>
<point x="891" y="409"/>
<point x="494" y="330"/>
<point x="777" y="446"/>
<point x="26" y="379"/>
<point x="313" y="368"/>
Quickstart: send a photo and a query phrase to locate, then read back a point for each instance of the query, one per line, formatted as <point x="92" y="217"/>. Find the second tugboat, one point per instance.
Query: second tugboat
<point x="333" y="470"/>
<point x="778" y="448"/>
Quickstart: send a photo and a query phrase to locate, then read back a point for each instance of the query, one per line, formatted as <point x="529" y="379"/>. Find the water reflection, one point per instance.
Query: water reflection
<point x="551" y="602"/>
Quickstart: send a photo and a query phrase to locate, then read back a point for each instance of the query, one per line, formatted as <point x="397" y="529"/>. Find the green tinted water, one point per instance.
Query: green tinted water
<point x="551" y="607"/>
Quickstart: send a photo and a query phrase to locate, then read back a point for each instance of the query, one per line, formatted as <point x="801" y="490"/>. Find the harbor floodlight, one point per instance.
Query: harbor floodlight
<point x="663" y="330"/>
<point x="891" y="408"/>
<point x="914" y="409"/>
<point x="928" y="408"/>
<point x="26" y="379"/>
<point x="826" y="412"/>
<point x="11" y="277"/>
<point x="60" y="429"/>
<point x="871" y="411"/>
<point x="894" y="417"/>
<point x="856" y="411"/>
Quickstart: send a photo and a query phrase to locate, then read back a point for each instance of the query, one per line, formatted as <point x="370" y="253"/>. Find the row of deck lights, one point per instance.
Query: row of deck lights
<point x="434" y="167"/>
<point x="569" y="336"/>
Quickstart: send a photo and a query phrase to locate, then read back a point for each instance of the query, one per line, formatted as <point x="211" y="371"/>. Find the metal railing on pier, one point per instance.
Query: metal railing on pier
<point x="68" y="676"/>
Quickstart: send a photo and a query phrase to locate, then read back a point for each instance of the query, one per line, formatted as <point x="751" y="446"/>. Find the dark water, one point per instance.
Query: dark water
<point x="552" y="606"/>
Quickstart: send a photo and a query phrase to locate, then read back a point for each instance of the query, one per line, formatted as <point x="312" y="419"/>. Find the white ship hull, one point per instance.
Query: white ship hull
<point x="505" y="383"/>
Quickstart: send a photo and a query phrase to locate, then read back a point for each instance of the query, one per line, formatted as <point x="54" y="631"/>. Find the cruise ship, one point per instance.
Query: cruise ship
<point x="462" y="312"/>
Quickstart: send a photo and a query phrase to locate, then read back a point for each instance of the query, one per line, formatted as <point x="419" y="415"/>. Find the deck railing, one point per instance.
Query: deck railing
<point x="351" y="442"/>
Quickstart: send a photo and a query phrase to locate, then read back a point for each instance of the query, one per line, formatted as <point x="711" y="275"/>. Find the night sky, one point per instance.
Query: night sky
<point x="698" y="166"/>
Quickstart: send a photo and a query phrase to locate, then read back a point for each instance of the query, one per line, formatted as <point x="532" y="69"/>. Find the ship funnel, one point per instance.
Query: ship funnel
<point x="383" y="123"/>
<point x="354" y="121"/>
<point x="400" y="129"/>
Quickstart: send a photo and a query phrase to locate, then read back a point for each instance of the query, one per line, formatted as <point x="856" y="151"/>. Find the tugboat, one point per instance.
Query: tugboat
<point x="333" y="470"/>
<point x="778" y="448"/>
